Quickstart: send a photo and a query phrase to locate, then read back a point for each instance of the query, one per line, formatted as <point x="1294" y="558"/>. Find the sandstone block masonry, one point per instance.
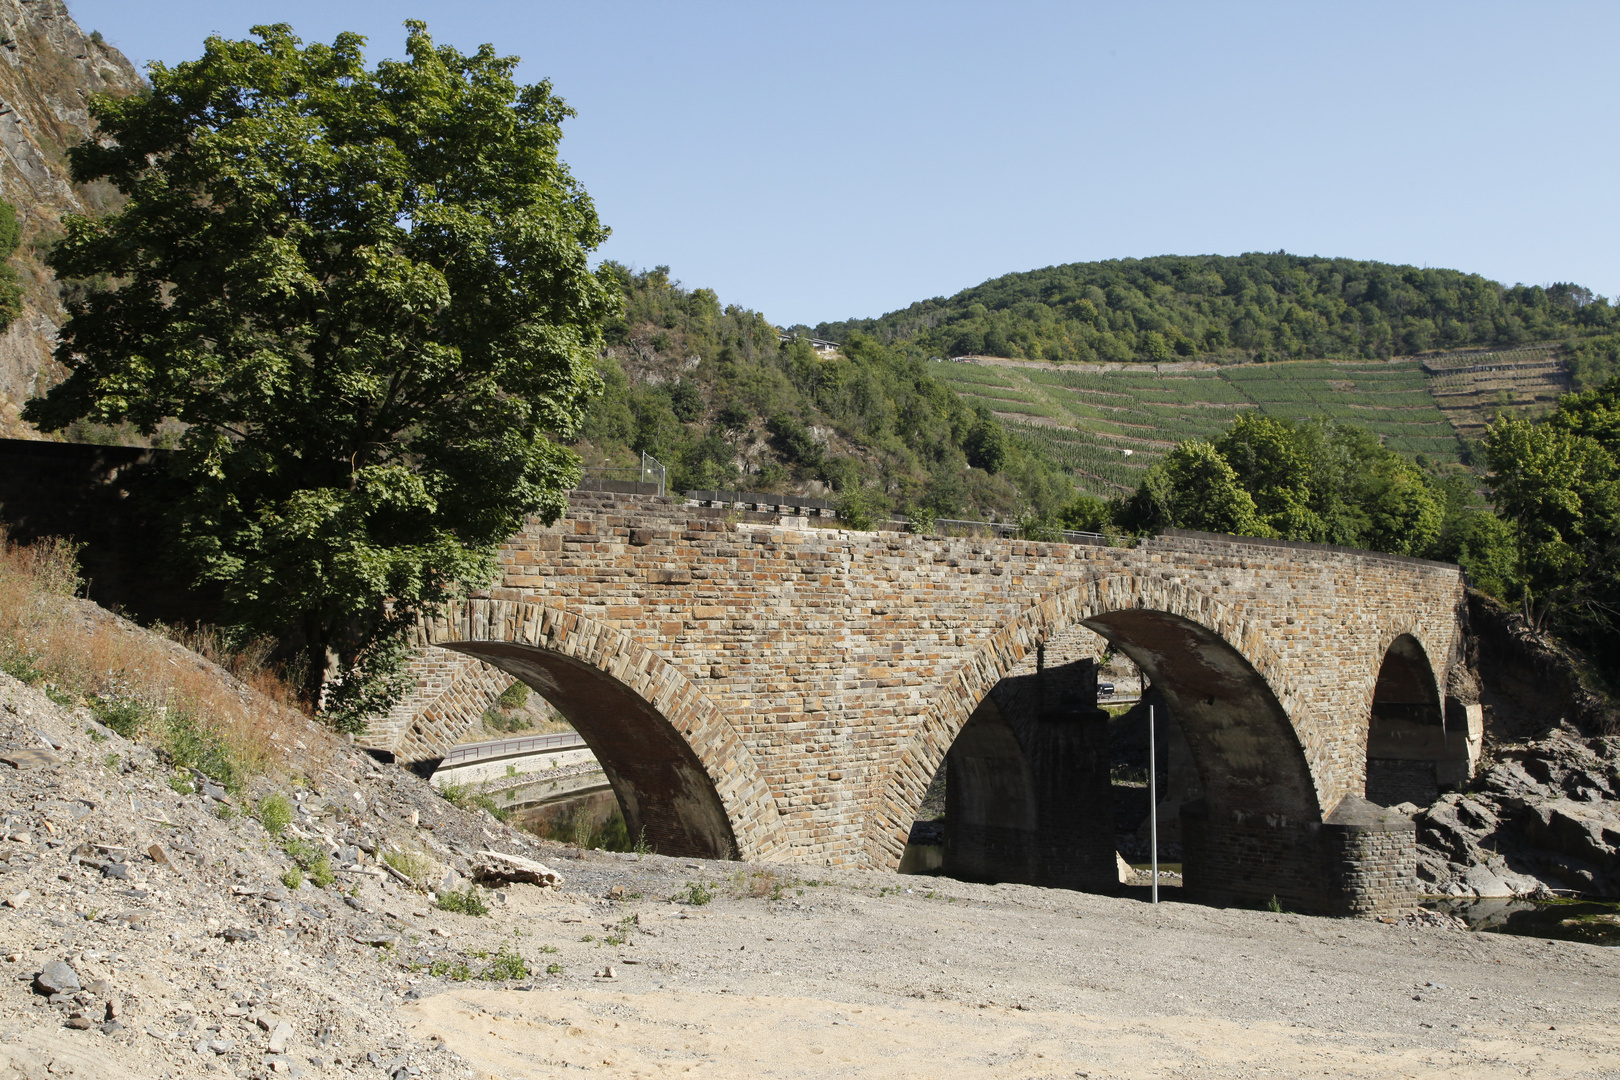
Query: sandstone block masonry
<point x="758" y="686"/>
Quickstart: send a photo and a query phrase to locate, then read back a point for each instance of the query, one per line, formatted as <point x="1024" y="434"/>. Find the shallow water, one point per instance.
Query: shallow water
<point x="1594" y="922"/>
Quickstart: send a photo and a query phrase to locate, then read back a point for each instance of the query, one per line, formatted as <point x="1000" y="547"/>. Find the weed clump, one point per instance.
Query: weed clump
<point x="696" y="893"/>
<point x="274" y="813"/>
<point x="466" y="797"/>
<point x="467" y="902"/>
<point x="505" y="964"/>
<point x="311" y="860"/>
<point x="759" y="884"/>
<point x="454" y="970"/>
<point x="411" y="865"/>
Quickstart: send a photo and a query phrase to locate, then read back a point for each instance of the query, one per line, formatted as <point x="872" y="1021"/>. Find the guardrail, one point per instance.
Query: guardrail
<point x="760" y="500"/>
<point x="789" y="504"/>
<point x="498" y="748"/>
<point x="651" y="473"/>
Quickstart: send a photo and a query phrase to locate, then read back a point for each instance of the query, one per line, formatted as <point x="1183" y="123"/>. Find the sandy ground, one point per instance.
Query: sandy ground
<point x="853" y="978"/>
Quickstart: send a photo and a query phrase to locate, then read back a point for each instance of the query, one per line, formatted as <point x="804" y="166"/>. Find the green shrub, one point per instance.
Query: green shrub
<point x="470" y="901"/>
<point x="506" y="964"/>
<point x="312" y="860"/>
<point x="20" y="665"/>
<point x="696" y="893"/>
<point x="466" y="797"/>
<point x="190" y="745"/>
<point x="414" y="865"/>
<point x="274" y="813"/>
<point x="858" y="509"/>
<point x="123" y="715"/>
<point x="455" y="971"/>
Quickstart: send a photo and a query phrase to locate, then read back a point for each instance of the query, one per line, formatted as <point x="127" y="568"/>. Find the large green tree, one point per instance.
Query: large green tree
<point x="366" y="295"/>
<point x="1557" y="485"/>
<point x="1194" y="487"/>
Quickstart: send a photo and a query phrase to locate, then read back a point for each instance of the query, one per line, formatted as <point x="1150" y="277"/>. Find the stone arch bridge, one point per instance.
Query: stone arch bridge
<point x="757" y="686"/>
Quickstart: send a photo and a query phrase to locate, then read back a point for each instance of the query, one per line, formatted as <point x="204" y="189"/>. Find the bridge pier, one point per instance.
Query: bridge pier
<point x="1363" y="858"/>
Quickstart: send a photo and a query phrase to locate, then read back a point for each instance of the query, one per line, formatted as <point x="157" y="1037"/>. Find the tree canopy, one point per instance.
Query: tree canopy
<point x="366" y="295"/>
<point x="1556" y="484"/>
<point x="1315" y="482"/>
<point x="1259" y="306"/>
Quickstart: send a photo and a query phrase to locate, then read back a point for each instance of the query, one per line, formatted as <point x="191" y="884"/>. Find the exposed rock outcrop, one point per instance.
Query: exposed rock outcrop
<point x="1528" y="682"/>
<point x="1543" y="814"/>
<point x="49" y="68"/>
<point x="1545" y="817"/>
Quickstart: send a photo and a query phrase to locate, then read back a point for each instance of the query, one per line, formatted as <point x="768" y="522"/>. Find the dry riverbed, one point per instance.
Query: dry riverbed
<point x="850" y="977"/>
<point x="200" y="960"/>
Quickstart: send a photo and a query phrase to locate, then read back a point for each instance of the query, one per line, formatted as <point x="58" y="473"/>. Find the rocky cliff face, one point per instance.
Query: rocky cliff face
<point x="49" y="68"/>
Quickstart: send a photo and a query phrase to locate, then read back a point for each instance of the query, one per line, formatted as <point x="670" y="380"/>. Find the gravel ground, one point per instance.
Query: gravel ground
<point x="202" y="962"/>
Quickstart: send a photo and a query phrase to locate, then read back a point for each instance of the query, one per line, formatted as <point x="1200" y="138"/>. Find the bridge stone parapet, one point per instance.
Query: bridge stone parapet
<point x="757" y="685"/>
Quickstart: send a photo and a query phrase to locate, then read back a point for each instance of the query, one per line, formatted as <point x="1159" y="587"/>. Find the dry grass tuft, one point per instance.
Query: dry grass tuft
<point x="141" y="685"/>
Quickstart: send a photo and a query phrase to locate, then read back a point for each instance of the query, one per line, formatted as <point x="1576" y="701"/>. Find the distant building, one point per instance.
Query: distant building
<point x="823" y="347"/>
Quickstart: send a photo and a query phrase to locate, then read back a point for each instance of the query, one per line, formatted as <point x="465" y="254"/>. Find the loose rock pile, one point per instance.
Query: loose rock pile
<point x="147" y="911"/>
<point x="1545" y="818"/>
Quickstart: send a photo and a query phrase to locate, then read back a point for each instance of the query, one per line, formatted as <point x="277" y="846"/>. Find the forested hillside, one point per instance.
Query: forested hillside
<point x="713" y="393"/>
<point x="53" y="68"/>
<point x="1248" y="307"/>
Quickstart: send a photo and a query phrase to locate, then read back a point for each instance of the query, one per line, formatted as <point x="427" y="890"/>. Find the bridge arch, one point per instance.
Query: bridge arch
<point x="678" y="768"/>
<point x="1411" y="754"/>
<point x="1233" y="702"/>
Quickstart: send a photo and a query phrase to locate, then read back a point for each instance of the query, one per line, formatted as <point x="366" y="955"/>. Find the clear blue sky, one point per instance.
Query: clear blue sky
<point x="825" y="160"/>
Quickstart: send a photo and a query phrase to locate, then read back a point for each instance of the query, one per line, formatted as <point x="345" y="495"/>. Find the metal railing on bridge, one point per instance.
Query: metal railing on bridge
<point x="630" y="478"/>
<point x="766" y="502"/>
<point x="468" y="753"/>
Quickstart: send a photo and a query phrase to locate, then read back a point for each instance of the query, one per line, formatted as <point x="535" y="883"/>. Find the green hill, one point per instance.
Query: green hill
<point x="1248" y="307"/>
<point x="712" y="391"/>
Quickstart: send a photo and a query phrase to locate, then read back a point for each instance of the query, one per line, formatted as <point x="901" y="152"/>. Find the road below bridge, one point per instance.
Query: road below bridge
<point x="523" y="772"/>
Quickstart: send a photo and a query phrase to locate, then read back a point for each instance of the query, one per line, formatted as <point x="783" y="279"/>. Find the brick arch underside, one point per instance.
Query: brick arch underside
<point x="1215" y="671"/>
<point x="1411" y="754"/>
<point x="678" y="769"/>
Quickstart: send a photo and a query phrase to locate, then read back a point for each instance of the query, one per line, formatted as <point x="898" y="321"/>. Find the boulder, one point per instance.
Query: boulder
<point x="498" y="866"/>
<point x="57" y="977"/>
<point x="1485" y="884"/>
